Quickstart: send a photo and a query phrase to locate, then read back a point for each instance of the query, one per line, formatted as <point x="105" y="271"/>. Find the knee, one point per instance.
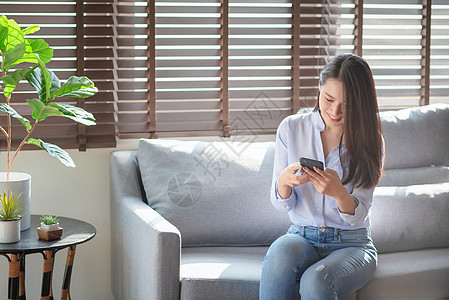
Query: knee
<point x="284" y="254"/>
<point x="315" y="283"/>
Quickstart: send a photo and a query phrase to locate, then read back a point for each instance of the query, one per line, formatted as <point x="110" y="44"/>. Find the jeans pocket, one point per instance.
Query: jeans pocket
<point x="292" y="230"/>
<point x="295" y="229"/>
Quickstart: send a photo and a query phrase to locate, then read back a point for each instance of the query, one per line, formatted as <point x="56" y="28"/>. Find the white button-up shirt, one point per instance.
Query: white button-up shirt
<point x="299" y="136"/>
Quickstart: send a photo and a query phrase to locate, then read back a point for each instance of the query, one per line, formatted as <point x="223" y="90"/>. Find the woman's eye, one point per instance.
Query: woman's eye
<point x="329" y="100"/>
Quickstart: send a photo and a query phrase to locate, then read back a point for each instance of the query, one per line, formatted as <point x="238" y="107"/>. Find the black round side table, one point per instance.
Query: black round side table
<point x="75" y="232"/>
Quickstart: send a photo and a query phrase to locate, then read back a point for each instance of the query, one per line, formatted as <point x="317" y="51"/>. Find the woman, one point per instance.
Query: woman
<point x="328" y="249"/>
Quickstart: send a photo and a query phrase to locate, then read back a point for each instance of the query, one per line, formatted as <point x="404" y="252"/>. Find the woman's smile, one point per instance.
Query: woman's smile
<point x="334" y="119"/>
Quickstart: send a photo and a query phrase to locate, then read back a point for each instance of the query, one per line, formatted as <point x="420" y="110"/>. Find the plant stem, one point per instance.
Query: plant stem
<point x="20" y="146"/>
<point x="7" y="137"/>
<point x="8" y="140"/>
<point x="3" y="131"/>
<point x="26" y="137"/>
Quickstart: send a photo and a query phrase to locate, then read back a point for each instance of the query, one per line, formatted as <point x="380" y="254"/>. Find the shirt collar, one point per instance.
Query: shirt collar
<point x="318" y="122"/>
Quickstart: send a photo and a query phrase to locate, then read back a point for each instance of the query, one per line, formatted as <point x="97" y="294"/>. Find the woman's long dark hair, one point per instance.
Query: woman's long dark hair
<point x="361" y="127"/>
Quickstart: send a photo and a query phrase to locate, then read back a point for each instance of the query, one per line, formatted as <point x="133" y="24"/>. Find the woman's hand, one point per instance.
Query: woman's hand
<point x="328" y="182"/>
<point x="288" y="180"/>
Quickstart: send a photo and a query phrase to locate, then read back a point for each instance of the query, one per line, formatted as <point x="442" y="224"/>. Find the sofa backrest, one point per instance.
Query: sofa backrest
<point x="416" y="137"/>
<point x="411" y="204"/>
<point x="215" y="193"/>
<point x="410" y="217"/>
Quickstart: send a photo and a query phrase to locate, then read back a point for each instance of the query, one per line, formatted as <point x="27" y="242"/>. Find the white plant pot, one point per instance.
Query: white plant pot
<point x="49" y="227"/>
<point x="9" y="231"/>
<point x="19" y="183"/>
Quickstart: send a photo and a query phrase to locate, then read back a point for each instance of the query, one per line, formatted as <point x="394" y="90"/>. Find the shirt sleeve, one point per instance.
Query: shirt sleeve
<point x="364" y="199"/>
<point x="280" y="163"/>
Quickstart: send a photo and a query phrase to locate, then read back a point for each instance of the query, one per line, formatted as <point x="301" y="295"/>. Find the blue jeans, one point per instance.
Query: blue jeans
<point x="328" y="262"/>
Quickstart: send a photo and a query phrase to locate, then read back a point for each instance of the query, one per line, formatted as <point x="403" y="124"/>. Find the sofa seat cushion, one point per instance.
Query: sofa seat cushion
<point x="221" y="272"/>
<point x="232" y="273"/>
<point x="410" y="217"/>
<point x="224" y="273"/>
<point x="415" y="176"/>
<point x="419" y="274"/>
<point x="215" y="193"/>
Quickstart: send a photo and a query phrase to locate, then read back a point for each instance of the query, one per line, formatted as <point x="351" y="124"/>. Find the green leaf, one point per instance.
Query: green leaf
<point x="12" y="55"/>
<point x="41" y="111"/>
<point x="54" y="151"/>
<point x="30" y="30"/>
<point x="41" y="48"/>
<point x="15" y="36"/>
<point x="35" y="50"/>
<point x="44" y="82"/>
<point x="9" y="110"/>
<point x="77" y="87"/>
<point x="3" y="33"/>
<point x="12" y="80"/>
<point x="75" y="113"/>
<point x="11" y="207"/>
<point x="12" y="44"/>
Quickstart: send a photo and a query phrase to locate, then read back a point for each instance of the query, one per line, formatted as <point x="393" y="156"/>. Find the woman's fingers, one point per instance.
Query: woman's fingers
<point x="326" y="182"/>
<point x="293" y="179"/>
<point x="312" y="173"/>
<point x="294" y="167"/>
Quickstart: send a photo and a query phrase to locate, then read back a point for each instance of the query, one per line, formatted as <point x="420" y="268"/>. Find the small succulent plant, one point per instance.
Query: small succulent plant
<point x="11" y="207"/>
<point x="49" y="220"/>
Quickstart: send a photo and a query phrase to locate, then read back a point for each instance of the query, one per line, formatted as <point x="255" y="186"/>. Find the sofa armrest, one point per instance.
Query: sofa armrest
<point x="145" y="247"/>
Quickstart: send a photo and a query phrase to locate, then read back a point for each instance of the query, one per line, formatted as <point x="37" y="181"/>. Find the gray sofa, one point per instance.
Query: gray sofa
<point x="193" y="220"/>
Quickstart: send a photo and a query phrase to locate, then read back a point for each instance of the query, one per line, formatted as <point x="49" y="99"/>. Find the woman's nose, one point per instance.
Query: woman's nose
<point x="338" y="109"/>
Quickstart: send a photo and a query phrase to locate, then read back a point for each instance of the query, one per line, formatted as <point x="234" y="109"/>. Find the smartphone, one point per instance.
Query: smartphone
<point x="310" y="163"/>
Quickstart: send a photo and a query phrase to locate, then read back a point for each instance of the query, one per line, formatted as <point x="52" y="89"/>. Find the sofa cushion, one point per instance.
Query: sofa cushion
<point x="221" y="272"/>
<point x="416" y="137"/>
<point x="415" y="176"/>
<point x="410" y="217"/>
<point x="234" y="273"/>
<point x="215" y="193"/>
<point x="419" y="274"/>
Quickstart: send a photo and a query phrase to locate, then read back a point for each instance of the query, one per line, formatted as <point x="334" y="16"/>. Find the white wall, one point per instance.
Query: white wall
<point x="82" y="193"/>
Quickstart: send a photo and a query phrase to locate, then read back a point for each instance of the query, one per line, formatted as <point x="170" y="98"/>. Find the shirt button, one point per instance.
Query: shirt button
<point x="318" y="209"/>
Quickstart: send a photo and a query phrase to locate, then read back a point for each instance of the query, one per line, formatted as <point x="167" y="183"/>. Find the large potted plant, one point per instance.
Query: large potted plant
<point x="32" y="55"/>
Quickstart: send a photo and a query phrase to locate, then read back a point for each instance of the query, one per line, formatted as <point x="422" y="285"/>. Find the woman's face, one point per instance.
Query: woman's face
<point x="332" y="103"/>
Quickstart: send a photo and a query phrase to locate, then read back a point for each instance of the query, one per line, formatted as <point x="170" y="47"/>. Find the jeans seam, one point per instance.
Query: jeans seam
<point x="292" y="290"/>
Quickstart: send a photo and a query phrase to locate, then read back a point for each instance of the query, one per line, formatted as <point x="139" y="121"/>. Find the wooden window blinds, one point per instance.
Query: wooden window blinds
<point x="80" y="34"/>
<point x="229" y="67"/>
<point x="217" y="67"/>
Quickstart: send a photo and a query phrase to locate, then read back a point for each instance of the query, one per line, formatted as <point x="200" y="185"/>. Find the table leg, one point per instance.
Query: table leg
<point x="47" y="292"/>
<point x="22" y="295"/>
<point x="65" y="293"/>
<point x="13" y="280"/>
